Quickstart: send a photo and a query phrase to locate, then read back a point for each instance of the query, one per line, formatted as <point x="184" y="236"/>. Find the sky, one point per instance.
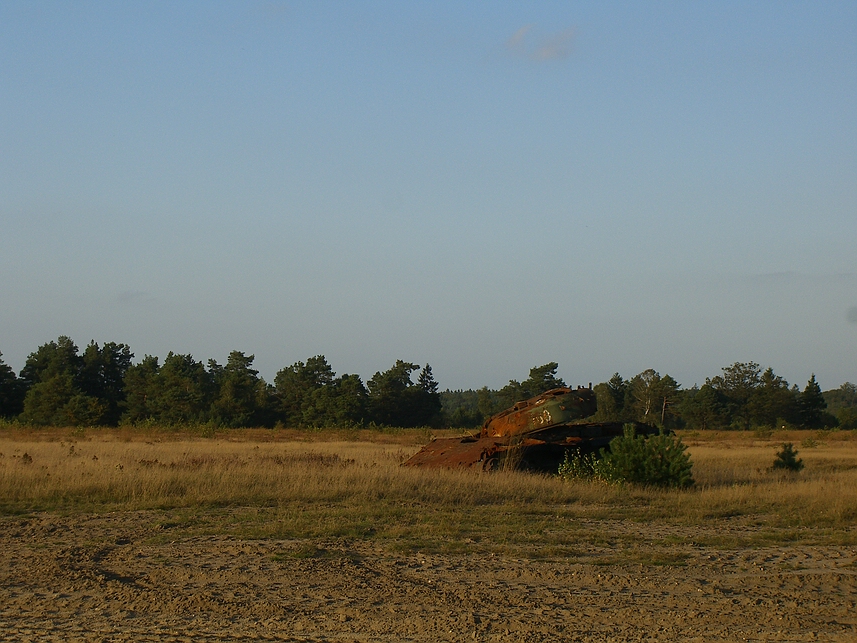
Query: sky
<point x="484" y="187"/>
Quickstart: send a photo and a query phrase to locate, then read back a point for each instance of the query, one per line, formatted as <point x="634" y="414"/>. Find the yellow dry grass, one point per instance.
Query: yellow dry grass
<point x="327" y="484"/>
<point x="119" y="472"/>
<point x="734" y="477"/>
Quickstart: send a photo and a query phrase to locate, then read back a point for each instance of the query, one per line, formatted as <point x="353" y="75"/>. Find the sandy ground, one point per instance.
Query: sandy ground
<point x="121" y="577"/>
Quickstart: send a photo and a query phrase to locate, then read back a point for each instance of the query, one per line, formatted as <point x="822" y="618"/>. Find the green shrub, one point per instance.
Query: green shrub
<point x="809" y="443"/>
<point x="657" y="461"/>
<point x="787" y="458"/>
<point x="584" y="466"/>
<point x="763" y="432"/>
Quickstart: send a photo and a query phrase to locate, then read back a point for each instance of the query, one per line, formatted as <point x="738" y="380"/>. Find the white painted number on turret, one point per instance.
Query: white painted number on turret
<point x="542" y="419"/>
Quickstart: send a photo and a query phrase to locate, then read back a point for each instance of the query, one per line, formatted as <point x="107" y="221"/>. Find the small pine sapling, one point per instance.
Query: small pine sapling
<point x="787" y="458"/>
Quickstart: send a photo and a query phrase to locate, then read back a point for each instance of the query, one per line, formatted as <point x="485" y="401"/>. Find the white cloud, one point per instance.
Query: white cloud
<point x="541" y="48"/>
<point x="517" y="39"/>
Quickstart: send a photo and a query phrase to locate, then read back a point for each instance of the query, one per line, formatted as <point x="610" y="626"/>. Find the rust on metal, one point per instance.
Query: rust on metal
<point x="557" y="406"/>
<point x="534" y="434"/>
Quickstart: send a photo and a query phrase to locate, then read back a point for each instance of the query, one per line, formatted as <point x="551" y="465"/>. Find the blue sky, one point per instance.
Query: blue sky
<point x="481" y="186"/>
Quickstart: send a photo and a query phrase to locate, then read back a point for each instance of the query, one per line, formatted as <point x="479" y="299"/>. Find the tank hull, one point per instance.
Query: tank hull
<point x="541" y="451"/>
<point x="534" y="434"/>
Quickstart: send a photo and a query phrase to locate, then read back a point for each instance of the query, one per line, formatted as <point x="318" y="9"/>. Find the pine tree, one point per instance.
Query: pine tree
<point x="811" y="404"/>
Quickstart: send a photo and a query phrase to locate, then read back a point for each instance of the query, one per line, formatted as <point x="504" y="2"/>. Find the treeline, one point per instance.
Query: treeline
<point x="59" y="386"/>
<point x="62" y="386"/>
<point x="742" y="397"/>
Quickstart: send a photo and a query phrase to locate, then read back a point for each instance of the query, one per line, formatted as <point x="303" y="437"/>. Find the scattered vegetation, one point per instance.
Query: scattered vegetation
<point x="320" y="485"/>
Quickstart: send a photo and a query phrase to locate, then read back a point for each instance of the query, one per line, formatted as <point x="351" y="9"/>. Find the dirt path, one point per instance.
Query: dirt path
<point x="118" y="577"/>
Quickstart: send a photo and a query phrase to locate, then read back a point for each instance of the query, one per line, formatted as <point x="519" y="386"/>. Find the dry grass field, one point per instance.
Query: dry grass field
<point x="120" y="535"/>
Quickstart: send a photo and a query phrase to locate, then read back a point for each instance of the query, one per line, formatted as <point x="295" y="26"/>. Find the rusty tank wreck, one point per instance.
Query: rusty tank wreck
<point x="534" y="434"/>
